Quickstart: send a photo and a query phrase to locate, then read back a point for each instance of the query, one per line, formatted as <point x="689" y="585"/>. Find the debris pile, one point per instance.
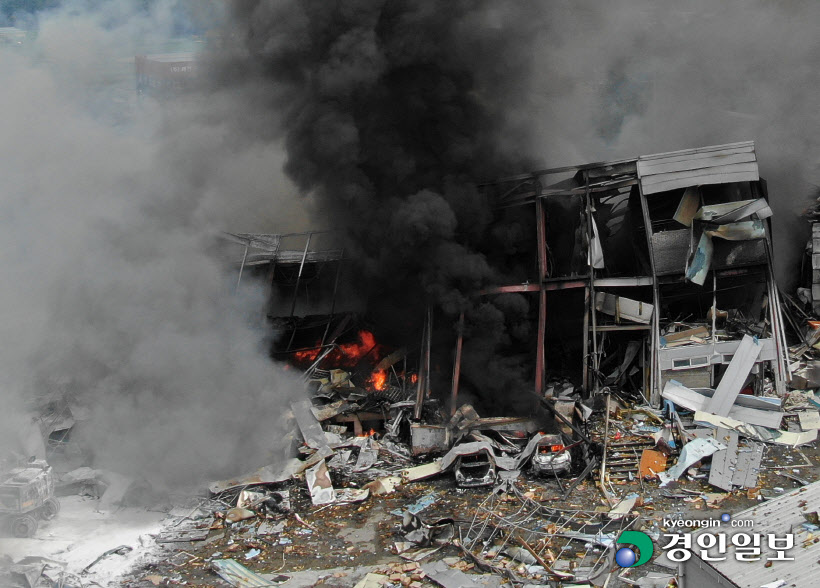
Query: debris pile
<point x="679" y="396"/>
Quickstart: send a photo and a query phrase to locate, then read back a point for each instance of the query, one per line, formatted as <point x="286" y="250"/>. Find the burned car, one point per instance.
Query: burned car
<point x="473" y="464"/>
<point x="475" y="469"/>
<point x="549" y="455"/>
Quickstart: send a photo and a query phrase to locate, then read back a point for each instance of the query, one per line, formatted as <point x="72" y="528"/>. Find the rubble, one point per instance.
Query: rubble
<point x="685" y="399"/>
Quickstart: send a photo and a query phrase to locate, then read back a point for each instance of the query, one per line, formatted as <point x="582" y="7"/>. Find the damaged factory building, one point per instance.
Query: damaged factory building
<point x="661" y="386"/>
<point x="650" y="281"/>
<point x="650" y="277"/>
<point x="669" y="266"/>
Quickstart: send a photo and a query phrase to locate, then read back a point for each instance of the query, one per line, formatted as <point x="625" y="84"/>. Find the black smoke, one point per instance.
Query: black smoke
<point x="392" y="113"/>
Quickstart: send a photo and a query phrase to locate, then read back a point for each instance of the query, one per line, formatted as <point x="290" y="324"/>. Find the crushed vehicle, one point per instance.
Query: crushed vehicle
<point x="475" y="469"/>
<point x="27" y="493"/>
<point x="551" y="457"/>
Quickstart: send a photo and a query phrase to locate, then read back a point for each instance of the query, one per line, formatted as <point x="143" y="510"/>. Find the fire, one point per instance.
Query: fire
<point x="379" y="380"/>
<point x="414" y="378"/>
<point x="308" y="355"/>
<point x="357" y="350"/>
<point x="346" y="355"/>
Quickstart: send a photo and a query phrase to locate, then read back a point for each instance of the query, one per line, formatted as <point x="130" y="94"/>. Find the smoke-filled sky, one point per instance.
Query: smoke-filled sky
<point x="384" y="112"/>
<point x="108" y="297"/>
<point x="389" y="111"/>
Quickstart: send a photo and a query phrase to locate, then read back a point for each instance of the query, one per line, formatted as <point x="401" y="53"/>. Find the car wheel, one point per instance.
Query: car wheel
<point x="24" y="526"/>
<point x="49" y="509"/>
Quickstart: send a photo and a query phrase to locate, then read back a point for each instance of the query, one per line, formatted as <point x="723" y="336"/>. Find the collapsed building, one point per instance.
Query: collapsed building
<point x="645" y="271"/>
<point x="658" y="338"/>
<point x="667" y="260"/>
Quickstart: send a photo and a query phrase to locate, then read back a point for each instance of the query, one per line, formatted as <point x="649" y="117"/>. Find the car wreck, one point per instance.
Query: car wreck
<point x="551" y="457"/>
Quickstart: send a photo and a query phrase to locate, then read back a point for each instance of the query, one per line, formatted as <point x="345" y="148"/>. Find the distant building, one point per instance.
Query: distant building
<point x="165" y="74"/>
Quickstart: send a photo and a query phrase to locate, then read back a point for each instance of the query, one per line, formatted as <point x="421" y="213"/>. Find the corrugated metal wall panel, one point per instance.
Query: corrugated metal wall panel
<point x="719" y="164"/>
<point x="664" y="166"/>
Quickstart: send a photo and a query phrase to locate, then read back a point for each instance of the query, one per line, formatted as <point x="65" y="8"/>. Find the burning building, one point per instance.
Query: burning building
<point x="645" y="272"/>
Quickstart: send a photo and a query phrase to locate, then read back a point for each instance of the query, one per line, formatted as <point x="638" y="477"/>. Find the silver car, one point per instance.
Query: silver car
<point x="551" y="457"/>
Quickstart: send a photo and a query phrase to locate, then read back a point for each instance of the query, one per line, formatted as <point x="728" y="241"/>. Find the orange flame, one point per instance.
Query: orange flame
<point x="308" y="355"/>
<point x="379" y="380"/>
<point x="414" y="378"/>
<point x="346" y="355"/>
<point x="356" y="350"/>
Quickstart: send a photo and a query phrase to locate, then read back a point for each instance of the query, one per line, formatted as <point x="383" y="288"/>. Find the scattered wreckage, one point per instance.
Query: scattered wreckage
<point x="684" y="392"/>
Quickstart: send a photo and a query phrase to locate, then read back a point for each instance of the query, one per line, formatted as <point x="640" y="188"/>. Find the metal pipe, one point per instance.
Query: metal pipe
<point x="428" y="351"/>
<point x="421" y="374"/>
<point x="540" y="356"/>
<point x="591" y="273"/>
<point x="457" y="365"/>
<point x="333" y="303"/>
<point x="241" y="267"/>
<point x="299" y="275"/>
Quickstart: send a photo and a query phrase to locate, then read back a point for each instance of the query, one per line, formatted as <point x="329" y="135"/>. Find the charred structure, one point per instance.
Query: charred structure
<point x="660" y="264"/>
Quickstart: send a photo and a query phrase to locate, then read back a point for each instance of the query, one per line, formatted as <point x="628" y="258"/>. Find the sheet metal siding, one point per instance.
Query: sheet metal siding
<point x="700" y="574"/>
<point x="709" y="165"/>
<point x="779" y="516"/>
<point x="671" y="248"/>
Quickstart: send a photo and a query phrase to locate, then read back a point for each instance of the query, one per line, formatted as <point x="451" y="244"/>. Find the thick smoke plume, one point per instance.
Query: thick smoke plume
<point x="631" y="77"/>
<point x="109" y="298"/>
<point x="391" y="112"/>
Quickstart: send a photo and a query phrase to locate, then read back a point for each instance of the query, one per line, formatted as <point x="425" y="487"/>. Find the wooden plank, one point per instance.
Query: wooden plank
<point x="607" y="328"/>
<point x="688" y="206"/>
<point x="701" y="332"/>
<point x="732" y="381"/>
<point x="621" y="307"/>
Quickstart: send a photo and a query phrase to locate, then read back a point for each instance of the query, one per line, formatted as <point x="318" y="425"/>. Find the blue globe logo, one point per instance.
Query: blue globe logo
<point x="726" y="517"/>
<point x="625" y="557"/>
